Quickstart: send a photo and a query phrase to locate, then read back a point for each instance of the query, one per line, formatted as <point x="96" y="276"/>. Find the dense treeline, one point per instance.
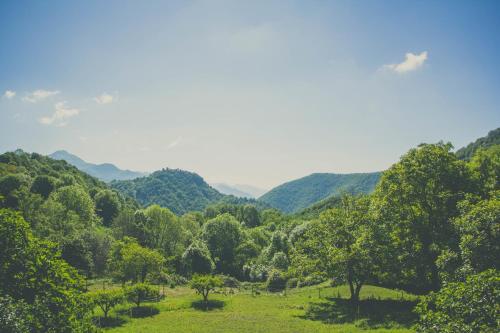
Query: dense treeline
<point x="178" y="190"/>
<point x="430" y="226"/>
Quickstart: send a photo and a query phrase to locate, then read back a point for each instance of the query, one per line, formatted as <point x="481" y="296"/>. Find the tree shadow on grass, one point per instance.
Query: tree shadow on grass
<point x="208" y="306"/>
<point x="109" y="322"/>
<point x="369" y="314"/>
<point x="140" y="312"/>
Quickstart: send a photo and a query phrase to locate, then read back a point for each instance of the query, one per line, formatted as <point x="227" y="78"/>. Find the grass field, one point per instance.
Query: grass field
<point x="301" y="310"/>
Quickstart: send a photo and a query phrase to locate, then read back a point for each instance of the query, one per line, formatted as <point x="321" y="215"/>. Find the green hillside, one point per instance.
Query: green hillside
<point x="180" y="191"/>
<point x="299" y="194"/>
<point x="493" y="138"/>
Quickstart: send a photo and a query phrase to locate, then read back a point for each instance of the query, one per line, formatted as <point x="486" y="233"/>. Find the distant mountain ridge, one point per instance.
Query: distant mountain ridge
<point x="105" y="172"/>
<point x="296" y="195"/>
<point x="242" y="191"/>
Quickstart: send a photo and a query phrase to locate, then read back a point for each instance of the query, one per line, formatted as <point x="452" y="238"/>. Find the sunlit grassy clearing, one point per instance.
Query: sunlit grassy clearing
<point x="243" y="312"/>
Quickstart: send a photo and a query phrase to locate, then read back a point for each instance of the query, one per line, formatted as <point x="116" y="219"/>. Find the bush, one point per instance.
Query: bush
<point x="276" y="281"/>
<point x="311" y="280"/>
<point x="230" y="282"/>
<point x="470" y="306"/>
<point x="292" y="283"/>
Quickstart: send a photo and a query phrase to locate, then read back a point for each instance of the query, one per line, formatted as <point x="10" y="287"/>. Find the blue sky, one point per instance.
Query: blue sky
<point x="252" y="92"/>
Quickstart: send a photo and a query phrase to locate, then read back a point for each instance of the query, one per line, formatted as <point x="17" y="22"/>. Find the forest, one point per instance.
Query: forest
<point x="81" y="255"/>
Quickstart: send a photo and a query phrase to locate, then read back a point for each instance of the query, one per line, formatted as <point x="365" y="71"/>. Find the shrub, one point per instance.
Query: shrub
<point x="292" y="283"/>
<point x="276" y="281"/>
<point x="311" y="280"/>
<point x="230" y="282"/>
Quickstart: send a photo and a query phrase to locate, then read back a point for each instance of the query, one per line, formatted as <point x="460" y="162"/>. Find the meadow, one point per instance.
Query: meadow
<point x="310" y="309"/>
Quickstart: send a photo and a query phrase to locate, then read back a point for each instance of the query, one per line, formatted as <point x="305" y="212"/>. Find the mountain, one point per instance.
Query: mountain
<point x="231" y="190"/>
<point x="242" y="191"/>
<point x="106" y="171"/>
<point x="493" y="138"/>
<point x="255" y="192"/>
<point x="299" y="194"/>
<point x="180" y="191"/>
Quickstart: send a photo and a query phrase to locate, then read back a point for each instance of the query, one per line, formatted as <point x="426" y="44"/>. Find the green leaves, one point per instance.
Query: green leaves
<point x="107" y="299"/>
<point x="469" y="307"/>
<point x="204" y="284"/>
<point x="140" y="292"/>
<point x="33" y="275"/>
<point x="132" y="262"/>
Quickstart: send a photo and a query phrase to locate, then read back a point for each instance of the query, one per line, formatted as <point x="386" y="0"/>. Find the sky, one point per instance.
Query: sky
<point x="247" y="92"/>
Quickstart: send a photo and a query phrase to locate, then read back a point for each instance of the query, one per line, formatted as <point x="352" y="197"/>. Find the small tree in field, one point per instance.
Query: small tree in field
<point x="139" y="292"/>
<point x="107" y="299"/>
<point x="204" y="284"/>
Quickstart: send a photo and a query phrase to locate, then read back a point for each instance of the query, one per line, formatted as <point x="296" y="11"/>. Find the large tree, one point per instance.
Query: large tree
<point x="415" y="201"/>
<point x="34" y="278"/>
<point x="222" y="236"/>
<point x="107" y="205"/>
<point x="132" y="262"/>
<point x="344" y="243"/>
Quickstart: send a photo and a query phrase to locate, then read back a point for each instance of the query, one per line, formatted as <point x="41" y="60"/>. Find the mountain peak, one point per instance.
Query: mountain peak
<point x="106" y="171"/>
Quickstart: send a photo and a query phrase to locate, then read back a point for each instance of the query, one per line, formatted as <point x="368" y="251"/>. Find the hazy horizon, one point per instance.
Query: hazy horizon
<point x="255" y="93"/>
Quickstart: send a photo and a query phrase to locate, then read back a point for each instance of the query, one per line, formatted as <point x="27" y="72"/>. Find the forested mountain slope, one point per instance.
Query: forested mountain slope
<point x="179" y="190"/>
<point x="299" y="194"/>
<point x="106" y="171"/>
<point x="493" y="138"/>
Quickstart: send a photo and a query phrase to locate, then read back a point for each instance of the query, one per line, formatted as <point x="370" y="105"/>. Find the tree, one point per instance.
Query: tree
<point x="132" y="262"/>
<point x="140" y="292"/>
<point x="478" y="249"/>
<point x="196" y="259"/>
<point x="415" y="201"/>
<point x="222" y="236"/>
<point x="344" y="243"/>
<point x="250" y="216"/>
<point x="470" y="306"/>
<point x="34" y="277"/>
<point x="485" y="170"/>
<point x="164" y="231"/>
<point x="107" y="299"/>
<point x="204" y="284"/>
<point x="43" y="185"/>
<point x="107" y="205"/>
<point x="11" y="187"/>
<point x="76" y="199"/>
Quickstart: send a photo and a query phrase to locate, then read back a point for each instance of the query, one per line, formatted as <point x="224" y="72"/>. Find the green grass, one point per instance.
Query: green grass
<point x="301" y="310"/>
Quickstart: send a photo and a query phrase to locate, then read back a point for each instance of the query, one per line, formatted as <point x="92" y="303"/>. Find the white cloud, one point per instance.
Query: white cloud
<point x="39" y="95"/>
<point x="60" y="116"/>
<point x="104" y="98"/>
<point x="174" y="143"/>
<point x="9" y="94"/>
<point x="411" y="63"/>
